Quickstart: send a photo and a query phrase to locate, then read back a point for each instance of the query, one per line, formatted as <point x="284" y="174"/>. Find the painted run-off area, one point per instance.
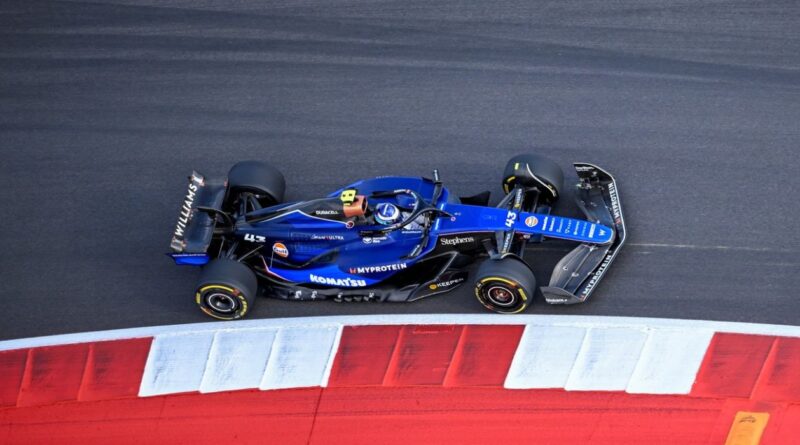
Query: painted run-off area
<point x="435" y="384"/>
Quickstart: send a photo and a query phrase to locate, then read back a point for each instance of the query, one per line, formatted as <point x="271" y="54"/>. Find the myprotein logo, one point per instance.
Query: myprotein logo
<point x="598" y="274"/>
<point x="457" y="240"/>
<point x="378" y="269"/>
<point x="615" y="210"/>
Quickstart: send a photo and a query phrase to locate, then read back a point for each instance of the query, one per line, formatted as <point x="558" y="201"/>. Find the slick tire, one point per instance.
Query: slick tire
<point x="505" y="286"/>
<point x="532" y="170"/>
<point x="259" y="178"/>
<point x="226" y="289"/>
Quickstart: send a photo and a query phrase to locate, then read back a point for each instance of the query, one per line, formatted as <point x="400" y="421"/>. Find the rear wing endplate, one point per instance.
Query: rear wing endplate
<point x="195" y="226"/>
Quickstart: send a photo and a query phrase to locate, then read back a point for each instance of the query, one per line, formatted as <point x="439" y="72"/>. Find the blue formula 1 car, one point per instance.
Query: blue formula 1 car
<point x="392" y="238"/>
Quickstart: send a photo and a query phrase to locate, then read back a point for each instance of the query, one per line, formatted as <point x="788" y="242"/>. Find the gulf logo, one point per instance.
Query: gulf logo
<point x="280" y="250"/>
<point x="531" y="221"/>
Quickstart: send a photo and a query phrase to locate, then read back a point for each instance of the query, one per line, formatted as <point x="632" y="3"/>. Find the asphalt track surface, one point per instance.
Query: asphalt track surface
<point x="107" y="106"/>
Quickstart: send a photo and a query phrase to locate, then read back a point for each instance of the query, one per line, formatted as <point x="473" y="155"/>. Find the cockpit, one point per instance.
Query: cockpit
<point x="387" y="210"/>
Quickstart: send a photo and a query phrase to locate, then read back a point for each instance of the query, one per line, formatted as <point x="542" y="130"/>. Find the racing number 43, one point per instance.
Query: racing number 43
<point x="254" y="238"/>
<point x="510" y="218"/>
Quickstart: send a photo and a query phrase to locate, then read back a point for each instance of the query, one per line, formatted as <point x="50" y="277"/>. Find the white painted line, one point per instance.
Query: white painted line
<point x="176" y="363"/>
<point x="606" y="360"/>
<point x="237" y="360"/>
<point x="400" y="319"/>
<point x="334" y="349"/>
<point x="669" y="362"/>
<point x="300" y="357"/>
<point x="544" y="357"/>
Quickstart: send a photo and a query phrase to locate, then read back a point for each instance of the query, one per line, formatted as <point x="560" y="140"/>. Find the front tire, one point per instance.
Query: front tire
<point x="226" y="289"/>
<point x="505" y="286"/>
<point x="530" y="170"/>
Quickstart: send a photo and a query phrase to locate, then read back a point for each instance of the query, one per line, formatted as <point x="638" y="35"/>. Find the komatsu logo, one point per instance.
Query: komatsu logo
<point x="186" y="209"/>
<point x="338" y="282"/>
<point x="378" y="269"/>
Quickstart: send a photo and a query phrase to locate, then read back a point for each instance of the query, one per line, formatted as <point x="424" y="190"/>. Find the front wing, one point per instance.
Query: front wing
<point x="578" y="273"/>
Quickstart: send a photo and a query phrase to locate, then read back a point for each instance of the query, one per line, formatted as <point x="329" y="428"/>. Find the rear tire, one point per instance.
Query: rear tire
<point x="530" y="170"/>
<point x="226" y="289"/>
<point x="505" y="286"/>
<point x="259" y="178"/>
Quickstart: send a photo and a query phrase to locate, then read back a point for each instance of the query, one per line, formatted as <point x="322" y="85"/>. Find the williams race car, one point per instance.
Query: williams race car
<point x="392" y="238"/>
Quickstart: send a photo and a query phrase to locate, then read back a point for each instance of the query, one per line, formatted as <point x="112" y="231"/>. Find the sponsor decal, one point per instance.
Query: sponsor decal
<point x="280" y="250"/>
<point x="326" y="212"/>
<point x="518" y="199"/>
<point x="612" y="192"/>
<point x="557" y="300"/>
<point x="373" y="239"/>
<point x="256" y="238"/>
<point x="456" y="240"/>
<point x="378" y="269"/>
<point x="196" y="181"/>
<point x="597" y="275"/>
<point x="339" y="282"/>
<point x="508" y="239"/>
<point x="348" y="196"/>
<point x="446" y="284"/>
<point x="327" y="237"/>
<point x="531" y="221"/>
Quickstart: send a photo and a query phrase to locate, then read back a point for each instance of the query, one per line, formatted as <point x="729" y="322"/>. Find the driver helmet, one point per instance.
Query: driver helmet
<point x="386" y="213"/>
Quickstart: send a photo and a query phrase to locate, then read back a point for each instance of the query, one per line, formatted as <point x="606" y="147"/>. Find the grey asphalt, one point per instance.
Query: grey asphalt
<point x="107" y="106"/>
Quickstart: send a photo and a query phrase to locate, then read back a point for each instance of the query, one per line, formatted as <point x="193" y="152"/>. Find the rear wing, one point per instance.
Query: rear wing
<point x="577" y="274"/>
<point x="196" y="222"/>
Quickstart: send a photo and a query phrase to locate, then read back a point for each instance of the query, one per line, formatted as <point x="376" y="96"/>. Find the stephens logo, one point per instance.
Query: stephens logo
<point x="531" y="221"/>
<point x="340" y="282"/>
<point x="280" y="250"/>
<point x="377" y="269"/>
<point x="457" y="240"/>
